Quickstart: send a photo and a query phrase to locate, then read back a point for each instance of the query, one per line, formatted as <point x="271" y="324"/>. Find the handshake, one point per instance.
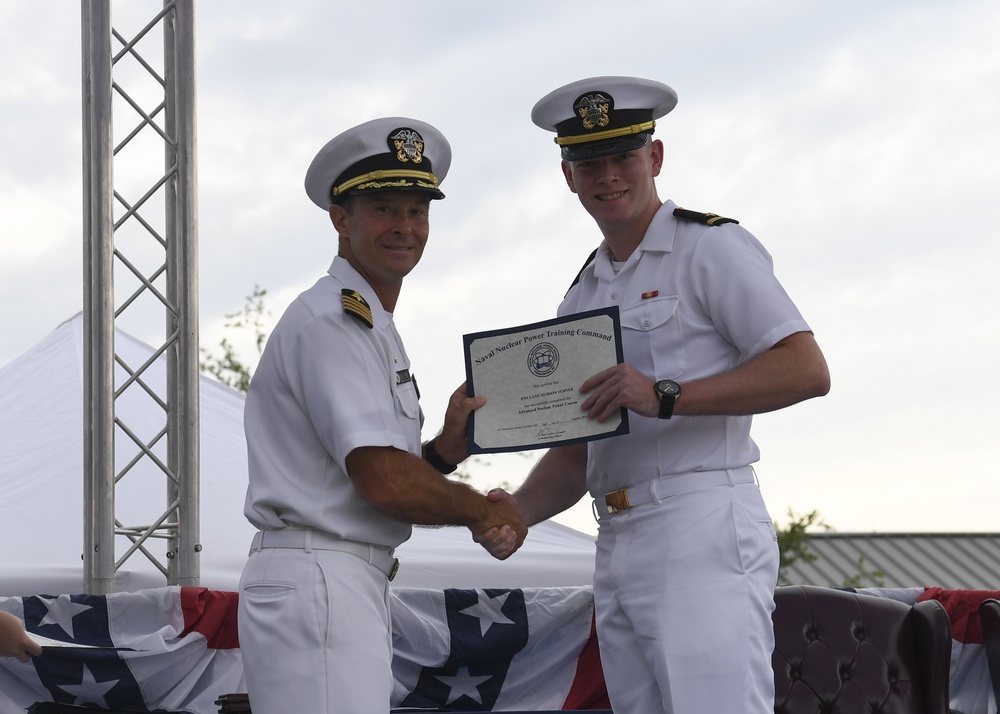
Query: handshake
<point x="496" y="522"/>
<point x="502" y="530"/>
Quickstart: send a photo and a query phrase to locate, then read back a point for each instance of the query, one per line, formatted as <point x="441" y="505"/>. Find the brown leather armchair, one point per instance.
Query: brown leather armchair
<point x="838" y="652"/>
<point x="989" y="617"/>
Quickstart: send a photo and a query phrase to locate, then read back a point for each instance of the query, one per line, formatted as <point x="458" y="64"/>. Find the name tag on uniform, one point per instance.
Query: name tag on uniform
<point x="403" y="376"/>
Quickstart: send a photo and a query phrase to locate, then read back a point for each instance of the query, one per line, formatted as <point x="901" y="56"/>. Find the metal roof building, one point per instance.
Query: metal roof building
<point x="953" y="561"/>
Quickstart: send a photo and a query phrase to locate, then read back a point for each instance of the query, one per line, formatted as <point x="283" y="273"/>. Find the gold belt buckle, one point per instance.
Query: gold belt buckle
<point x="617" y="501"/>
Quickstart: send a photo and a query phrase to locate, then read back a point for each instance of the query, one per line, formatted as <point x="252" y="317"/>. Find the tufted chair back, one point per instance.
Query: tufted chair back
<point x="837" y="652"/>
<point x="989" y="616"/>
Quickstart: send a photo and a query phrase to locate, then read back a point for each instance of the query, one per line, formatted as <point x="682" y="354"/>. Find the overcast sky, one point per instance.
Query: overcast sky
<point x="857" y="140"/>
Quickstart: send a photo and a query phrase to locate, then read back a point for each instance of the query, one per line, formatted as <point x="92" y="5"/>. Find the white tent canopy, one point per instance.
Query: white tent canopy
<point x="41" y="510"/>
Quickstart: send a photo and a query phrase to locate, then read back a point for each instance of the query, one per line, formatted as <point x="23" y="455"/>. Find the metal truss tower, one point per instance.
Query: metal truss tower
<point x="140" y="269"/>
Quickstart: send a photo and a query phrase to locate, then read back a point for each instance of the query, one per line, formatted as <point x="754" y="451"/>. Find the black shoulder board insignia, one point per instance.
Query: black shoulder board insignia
<point x="590" y="259"/>
<point x="709" y="219"/>
<point x="357" y="307"/>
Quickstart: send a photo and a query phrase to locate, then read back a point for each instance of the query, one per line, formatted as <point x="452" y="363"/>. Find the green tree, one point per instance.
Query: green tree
<point x="478" y="462"/>
<point x="793" y="541"/>
<point x="793" y="546"/>
<point x="229" y="368"/>
<point x="865" y="578"/>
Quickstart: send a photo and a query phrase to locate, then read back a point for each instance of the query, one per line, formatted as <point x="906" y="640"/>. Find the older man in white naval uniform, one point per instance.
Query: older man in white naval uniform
<point x="337" y="470"/>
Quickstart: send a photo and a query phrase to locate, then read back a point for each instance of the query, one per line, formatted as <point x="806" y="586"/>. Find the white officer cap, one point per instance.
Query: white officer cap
<point x="603" y="115"/>
<point x="388" y="154"/>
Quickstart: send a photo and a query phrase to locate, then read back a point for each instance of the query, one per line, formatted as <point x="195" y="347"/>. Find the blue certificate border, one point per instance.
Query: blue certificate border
<point x="467" y="340"/>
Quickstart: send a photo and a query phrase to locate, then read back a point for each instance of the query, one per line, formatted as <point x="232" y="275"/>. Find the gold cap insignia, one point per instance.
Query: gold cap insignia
<point x="409" y="146"/>
<point x="593" y="110"/>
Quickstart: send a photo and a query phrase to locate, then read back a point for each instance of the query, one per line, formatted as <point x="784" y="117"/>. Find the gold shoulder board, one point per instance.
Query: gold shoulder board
<point x="357" y="307"/>
<point x="708" y="219"/>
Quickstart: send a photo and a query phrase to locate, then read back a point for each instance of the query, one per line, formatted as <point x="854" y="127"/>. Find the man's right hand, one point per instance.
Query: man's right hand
<point x="501" y="538"/>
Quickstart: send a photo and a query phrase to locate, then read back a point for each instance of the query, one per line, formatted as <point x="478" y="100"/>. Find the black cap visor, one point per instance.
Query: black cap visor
<point x="593" y="149"/>
<point x="433" y="193"/>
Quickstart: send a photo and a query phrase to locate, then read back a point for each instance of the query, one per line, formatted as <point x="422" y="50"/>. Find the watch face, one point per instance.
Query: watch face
<point x="667" y="387"/>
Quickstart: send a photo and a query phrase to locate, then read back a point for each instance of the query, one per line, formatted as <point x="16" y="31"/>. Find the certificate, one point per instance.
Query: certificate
<point x="49" y="645"/>
<point x="531" y="377"/>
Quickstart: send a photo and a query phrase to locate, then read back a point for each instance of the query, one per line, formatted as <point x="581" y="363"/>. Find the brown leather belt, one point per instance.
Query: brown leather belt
<point x="379" y="557"/>
<point x="666" y="486"/>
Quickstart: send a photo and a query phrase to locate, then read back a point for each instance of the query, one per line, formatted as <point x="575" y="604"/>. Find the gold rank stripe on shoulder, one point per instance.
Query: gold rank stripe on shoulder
<point x="357" y="307"/>
<point x="708" y="219"/>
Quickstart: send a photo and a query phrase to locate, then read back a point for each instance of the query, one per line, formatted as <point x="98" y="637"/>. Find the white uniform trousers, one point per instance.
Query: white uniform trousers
<point x="315" y="633"/>
<point x="684" y="591"/>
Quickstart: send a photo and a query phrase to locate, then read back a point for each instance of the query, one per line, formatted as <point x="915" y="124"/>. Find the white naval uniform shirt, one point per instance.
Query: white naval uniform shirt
<point x="326" y="385"/>
<point x="695" y="301"/>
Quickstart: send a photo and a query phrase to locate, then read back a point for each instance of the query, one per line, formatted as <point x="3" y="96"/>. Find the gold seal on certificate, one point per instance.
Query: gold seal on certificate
<point x="531" y="377"/>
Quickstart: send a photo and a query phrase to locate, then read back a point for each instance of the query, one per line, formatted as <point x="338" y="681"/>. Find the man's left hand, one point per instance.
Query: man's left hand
<point x="616" y="387"/>
<point x="451" y="443"/>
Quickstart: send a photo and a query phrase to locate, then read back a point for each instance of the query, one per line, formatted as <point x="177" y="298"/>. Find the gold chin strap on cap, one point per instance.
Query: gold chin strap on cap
<point x="609" y="134"/>
<point x="430" y="179"/>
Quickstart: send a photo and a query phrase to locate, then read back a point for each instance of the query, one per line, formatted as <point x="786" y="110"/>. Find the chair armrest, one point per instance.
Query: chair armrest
<point x="932" y="636"/>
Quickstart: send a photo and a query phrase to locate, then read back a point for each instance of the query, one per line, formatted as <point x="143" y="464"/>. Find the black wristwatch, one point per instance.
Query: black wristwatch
<point x="667" y="391"/>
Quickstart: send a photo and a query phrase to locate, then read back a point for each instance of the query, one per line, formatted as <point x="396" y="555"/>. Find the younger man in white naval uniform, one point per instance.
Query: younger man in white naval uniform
<point x="687" y="558"/>
<point x="337" y="470"/>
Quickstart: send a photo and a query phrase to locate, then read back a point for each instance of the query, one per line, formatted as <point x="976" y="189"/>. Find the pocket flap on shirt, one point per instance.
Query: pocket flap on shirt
<point x="406" y="397"/>
<point x="649" y="314"/>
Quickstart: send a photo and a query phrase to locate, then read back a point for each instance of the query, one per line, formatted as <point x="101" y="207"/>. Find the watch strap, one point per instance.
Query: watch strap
<point x="667" y="391"/>
<point x="666" y="405"/>
<point x="432" y="457"/>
